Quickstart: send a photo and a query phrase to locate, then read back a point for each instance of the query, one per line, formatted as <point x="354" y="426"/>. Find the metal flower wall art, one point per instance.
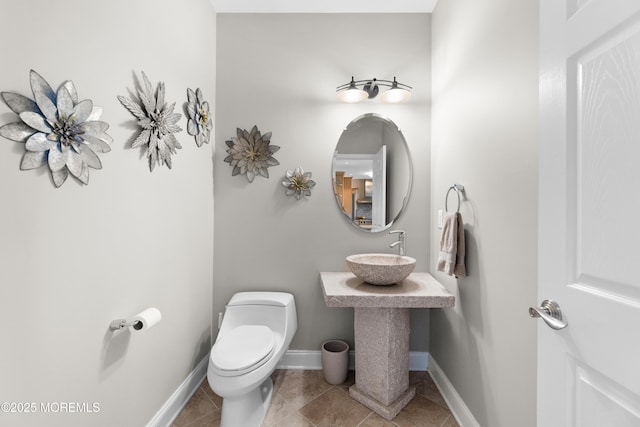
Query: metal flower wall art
<point x="298" y="183"/>
<point x="58" y="130"/>
<point x="251" y="154"/>
<point x="157" y="121"/>
<point x="200" y="123"/>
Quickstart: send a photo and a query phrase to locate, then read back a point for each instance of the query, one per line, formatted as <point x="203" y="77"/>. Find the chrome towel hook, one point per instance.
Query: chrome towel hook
<point x="458" y="188"/>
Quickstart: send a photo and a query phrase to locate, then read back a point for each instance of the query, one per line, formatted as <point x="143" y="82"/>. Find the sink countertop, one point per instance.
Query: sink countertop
<point x="419" y="290"/>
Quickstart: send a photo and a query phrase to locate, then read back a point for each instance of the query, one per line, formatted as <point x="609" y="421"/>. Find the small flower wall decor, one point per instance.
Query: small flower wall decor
<point x="200" y="122"/>
<point x="298" y="183"/>
<point x="157" y="122"/>
<point x="58" y="130"/>
<point x="250" y="153"/>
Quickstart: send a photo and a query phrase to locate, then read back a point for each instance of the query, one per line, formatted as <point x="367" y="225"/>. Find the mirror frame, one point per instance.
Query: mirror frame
<point x="409" y="160"/>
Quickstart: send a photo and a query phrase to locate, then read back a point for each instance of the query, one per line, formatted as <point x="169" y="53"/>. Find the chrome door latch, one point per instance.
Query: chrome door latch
<point x="550" y="312"/>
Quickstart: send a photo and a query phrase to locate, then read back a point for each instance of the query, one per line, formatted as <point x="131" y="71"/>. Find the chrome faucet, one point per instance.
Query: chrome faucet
<point x="399" y="242"/>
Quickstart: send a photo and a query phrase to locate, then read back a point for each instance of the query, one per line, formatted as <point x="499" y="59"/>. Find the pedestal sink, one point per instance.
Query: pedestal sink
<point x="381" y="329"/>
<point x="381" y="269"/>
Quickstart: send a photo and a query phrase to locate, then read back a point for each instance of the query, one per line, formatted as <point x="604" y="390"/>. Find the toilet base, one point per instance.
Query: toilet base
<point x="247" y="410"/>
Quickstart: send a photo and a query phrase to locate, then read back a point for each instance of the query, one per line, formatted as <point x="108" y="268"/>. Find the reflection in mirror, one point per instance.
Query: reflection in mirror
<point x="372" y="173"/>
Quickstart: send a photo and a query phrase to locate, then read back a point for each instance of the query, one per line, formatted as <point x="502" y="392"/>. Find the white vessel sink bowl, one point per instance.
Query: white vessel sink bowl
<point x="381" y="269"/>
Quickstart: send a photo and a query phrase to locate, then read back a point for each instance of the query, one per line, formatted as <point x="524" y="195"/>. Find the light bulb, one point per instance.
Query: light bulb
<point x="395" y="95"/>
<point x="352" y="95"/>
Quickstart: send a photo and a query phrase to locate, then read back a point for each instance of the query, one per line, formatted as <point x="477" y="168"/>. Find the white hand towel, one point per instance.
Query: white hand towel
<point x="451" y="257"/>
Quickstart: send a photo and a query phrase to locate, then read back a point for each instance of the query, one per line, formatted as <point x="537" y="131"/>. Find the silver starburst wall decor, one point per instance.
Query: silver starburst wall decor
<point x="157" y="122"/>
<point x="251" y="153"/>
<point x="200" y="122"/>
<point x="298" y="183"/>
<point x="58" y="130"/>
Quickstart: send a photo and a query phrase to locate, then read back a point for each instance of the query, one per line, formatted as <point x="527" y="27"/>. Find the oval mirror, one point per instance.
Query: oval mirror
<point x="372" y="173"/>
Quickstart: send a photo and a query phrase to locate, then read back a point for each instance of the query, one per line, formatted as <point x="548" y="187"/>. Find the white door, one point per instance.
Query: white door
<point x="589" y="235"/>
<point x="379" y="191"/>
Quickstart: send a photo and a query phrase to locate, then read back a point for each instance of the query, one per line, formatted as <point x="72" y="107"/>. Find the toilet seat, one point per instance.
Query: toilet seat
<point x="242" y="349"/>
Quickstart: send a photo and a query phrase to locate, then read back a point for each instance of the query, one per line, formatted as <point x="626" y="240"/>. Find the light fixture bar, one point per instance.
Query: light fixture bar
<point x="359" y="90"/>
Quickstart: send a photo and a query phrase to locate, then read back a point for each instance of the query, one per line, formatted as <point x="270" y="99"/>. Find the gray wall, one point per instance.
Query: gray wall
<point x="77" y="257"/>
<point x="279" y="72"/>
<point x="485" y="97"/>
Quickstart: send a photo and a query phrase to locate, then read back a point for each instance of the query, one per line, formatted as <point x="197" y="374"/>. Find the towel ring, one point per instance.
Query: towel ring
<point x="458" y="189"/>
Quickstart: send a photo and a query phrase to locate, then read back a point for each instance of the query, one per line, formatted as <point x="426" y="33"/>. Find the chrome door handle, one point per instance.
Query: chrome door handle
<point x="550" y="312"/>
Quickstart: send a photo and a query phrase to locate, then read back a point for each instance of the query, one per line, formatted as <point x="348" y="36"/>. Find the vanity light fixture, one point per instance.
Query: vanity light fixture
<point x="359" y="90"/>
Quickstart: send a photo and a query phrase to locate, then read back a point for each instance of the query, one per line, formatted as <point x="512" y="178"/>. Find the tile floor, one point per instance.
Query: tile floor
<point x="304" y="399"/>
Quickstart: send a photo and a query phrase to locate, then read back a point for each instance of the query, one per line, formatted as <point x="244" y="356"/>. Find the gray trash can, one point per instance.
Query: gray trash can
<point x="335" y="361"/>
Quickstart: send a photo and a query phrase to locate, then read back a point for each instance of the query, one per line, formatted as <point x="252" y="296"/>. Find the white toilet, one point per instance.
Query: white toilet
<point x="256" y="331"/>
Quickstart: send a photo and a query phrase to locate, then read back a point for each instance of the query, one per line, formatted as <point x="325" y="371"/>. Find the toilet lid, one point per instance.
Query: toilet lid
<point x="242" y="348"/>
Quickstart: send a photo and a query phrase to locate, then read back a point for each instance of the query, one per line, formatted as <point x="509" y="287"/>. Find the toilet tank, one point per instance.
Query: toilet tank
<point x="275" y="310"/>
<point x="281" y="299"/>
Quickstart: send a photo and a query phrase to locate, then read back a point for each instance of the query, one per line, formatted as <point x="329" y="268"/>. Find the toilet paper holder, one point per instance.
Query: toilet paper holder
<point x="145" y="320"/>
<point x="124" y="323"/>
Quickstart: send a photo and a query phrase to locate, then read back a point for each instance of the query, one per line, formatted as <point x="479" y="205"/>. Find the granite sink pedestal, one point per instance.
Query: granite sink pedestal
<point x="381" y="329"/>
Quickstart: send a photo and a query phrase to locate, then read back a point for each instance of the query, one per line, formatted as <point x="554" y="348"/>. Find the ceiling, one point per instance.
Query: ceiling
<point x="323" y="6"/>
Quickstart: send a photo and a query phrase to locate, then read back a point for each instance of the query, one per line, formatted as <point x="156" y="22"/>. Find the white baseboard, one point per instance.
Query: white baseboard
<point x="312" y="360"/>
<point x="458" y="408"/>
<point x="172" y="407"/>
